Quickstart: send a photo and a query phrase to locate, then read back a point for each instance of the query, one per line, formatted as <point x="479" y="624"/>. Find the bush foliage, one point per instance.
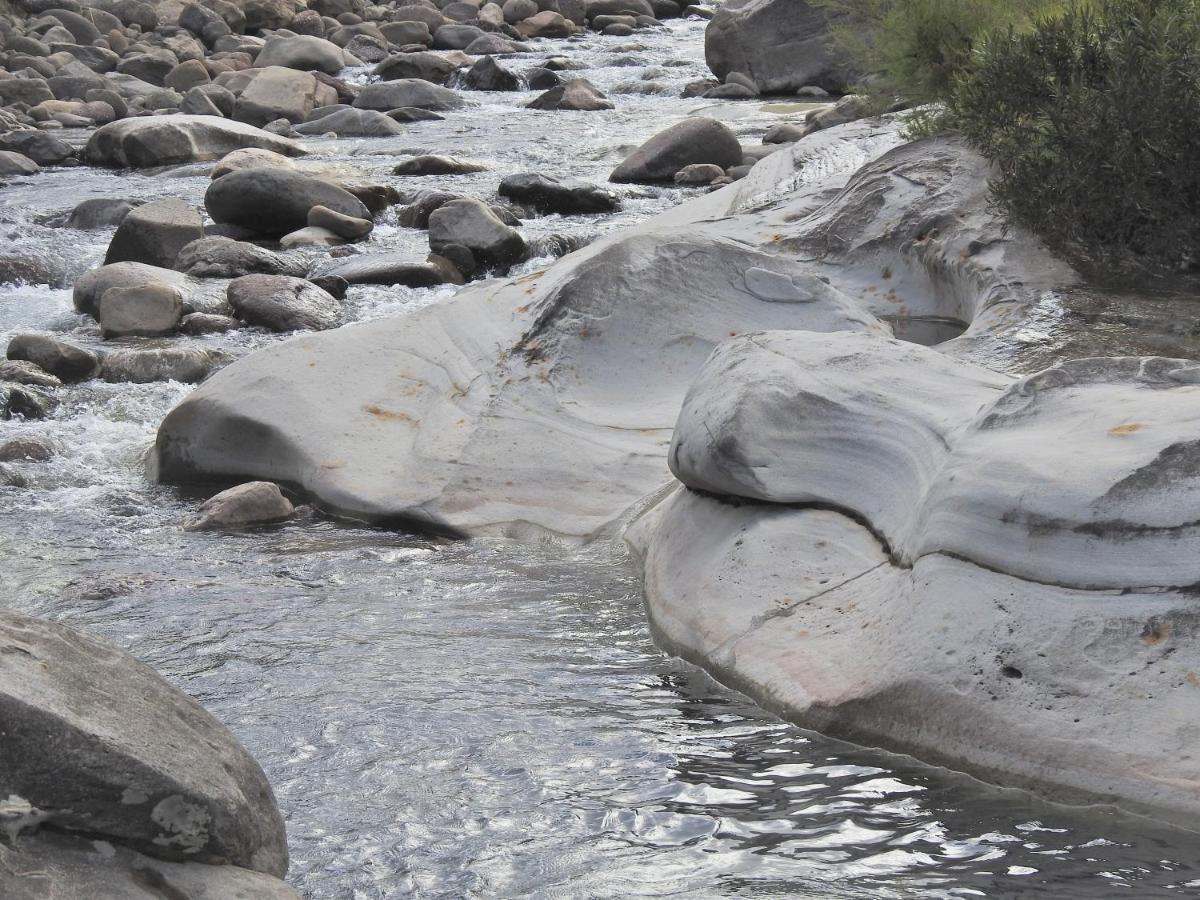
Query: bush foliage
<point x="1090" y="110"/>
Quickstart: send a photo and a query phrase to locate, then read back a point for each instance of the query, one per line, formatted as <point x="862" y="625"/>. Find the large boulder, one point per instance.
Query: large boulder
<point x="172" y="139"/>
<point x="64" y="361"/>
<point x="783" y="45"/>
<point x="353" y="123"/>
<point x="154" y="233"/>
<point x="407" y="92"/>
<point x="221" y="257"/>
<point x="195" y="293"/>
<point x="425" y="66"/>
<point x="578" y="94"/>
<point x="549" y="195"/>
<point x="48" y="865"/>
<point x="473" y="224"/>
<point x="283" y="303"/>
<point x="96" y="742"/>
<point x="276" y="92"/>
<point x="275" y="201"/>
<point x="303" y="52"/>
<point x="536" y="372"/>
<point x="694" y="140"/>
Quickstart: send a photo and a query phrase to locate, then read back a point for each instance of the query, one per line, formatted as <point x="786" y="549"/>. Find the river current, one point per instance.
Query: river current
<point x="489" y="719"/>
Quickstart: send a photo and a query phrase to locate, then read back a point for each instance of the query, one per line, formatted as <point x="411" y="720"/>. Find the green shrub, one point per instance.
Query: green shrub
<point x="1093" y="121"/>
<point x="915" y="50"/>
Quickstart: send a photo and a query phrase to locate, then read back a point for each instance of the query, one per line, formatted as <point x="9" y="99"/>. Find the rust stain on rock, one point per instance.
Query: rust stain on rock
<point x="389" y="415"/>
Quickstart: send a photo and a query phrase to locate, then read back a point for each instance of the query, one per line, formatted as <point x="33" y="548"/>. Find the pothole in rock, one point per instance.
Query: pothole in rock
<point x="929" y="331"/>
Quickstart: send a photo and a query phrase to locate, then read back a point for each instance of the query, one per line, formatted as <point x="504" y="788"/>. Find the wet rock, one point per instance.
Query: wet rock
<point x="549" y="195"/>
<point x="694" y="140"/>
<point x="276" y="201"/>
<point x="20" y="371"/>
<point x="93" y="868"/>
<point x="173" y="139"/>
<point x="423" y="66"/>
<point x="282" y="303"/>
<point x="25" y="402"/>
<point x="489" y="75"/>
<point x="146" y="366"/>
<point x="276" y="93"/>
<point x="222" y="257"/>
<point x="437" y="165"/>
<point x="348" y="227"/>
<point x="252" y="503"/>
<point x="407" y="92"/>
<point x="388" y="269"/>
<point x="30" y="269"/>
<point x="699" y="173"/>
<point x="197" y="295"/>
<point x="302" y="52"/>
<point x="250" y="159"/>
<point x="154" y="233"/>
<point x="546" y="24"/>
<point x="412" y="114"/>
<point x="16" y="163"/>
<point x="133" y="760"/>
<point x="618" y="7"/>
<point x="455" y="37"/>
<point x="786" y="133"/>
<point x="472" y="224"/>
<point x="198" y="324"/>
<point x="147" y="310"/>
<point x="10" y="476"/>
<point x="26" y="449"/>
<point x="421" y="205"/>
<point x="487" y="44"/>
<point x="64" y="361"/>
<point x="577" y="94"/>
<point x="540" y="79"/>
<point x="39" y="146"/>
<point x="352" y="123"/>
<point x="782" y="45"/>
<point x="311" y="236"/>
<point x="367" y="48"/>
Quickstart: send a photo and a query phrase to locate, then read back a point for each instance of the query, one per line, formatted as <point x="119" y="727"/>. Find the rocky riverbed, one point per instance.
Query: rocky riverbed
<point x="343" y="222"/>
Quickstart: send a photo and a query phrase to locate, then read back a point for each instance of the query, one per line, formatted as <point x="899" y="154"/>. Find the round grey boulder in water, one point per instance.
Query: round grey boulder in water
<point x="694" y="140"/>
<point x="168" y="140"/>
<point x="407" y="92"/>
<point x="92" y="740"/>
<point x="472" y="224"/>
<point x="283" y="303"/>
<point x="275" y="201"/>
<point x="154" y="233"/>
<point x="549" y="195"/>
<point x="252" y="503"/>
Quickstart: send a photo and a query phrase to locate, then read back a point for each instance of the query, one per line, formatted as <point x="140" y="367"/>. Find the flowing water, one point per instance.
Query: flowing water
<point x="489" y="719"/>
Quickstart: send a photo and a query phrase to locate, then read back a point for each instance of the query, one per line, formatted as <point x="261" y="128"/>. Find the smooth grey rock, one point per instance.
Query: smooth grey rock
<point x="489" y="75"/>
<point x="699" y="173"/>
<point x="145" y="366"/>
<point x="577" y="94"/>
<point x="22" y="371"/>
<point x="207" y="323"/>
<point x="694" y="140"/>
<point x="549" y="195"/>
<point x="173" y="139"/>
<point x="62" y="360"/>
<point x="437" y="165"/>
<point x="222" y="257"/>
<point x="99" y="212"/>
<point x="472" y="224"/>
<point x="97" y="742"/>
<point x="407" y="92"/>
<point x="252" y="503"/>
<point x="146" y="310"/>
<point x="352" y="123"/>
<point x="154" y="233"/>
<point x="39" y="146"/>
<point x="197" y="295"/>
<point x="276" y="201"/>
<point x="276" y="92"/>
<point x="386" y="268"/>
<point x="783" y="45"/>
<point x="302" y="52"/>
<point x="283" y="303"/>
<point x="424" y="66"/>
<point x="344" y="226"/>
<point x="16" y="163"/>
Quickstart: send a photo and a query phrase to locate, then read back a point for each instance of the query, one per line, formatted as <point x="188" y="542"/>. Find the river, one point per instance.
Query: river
<point x="489" y="719"/>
